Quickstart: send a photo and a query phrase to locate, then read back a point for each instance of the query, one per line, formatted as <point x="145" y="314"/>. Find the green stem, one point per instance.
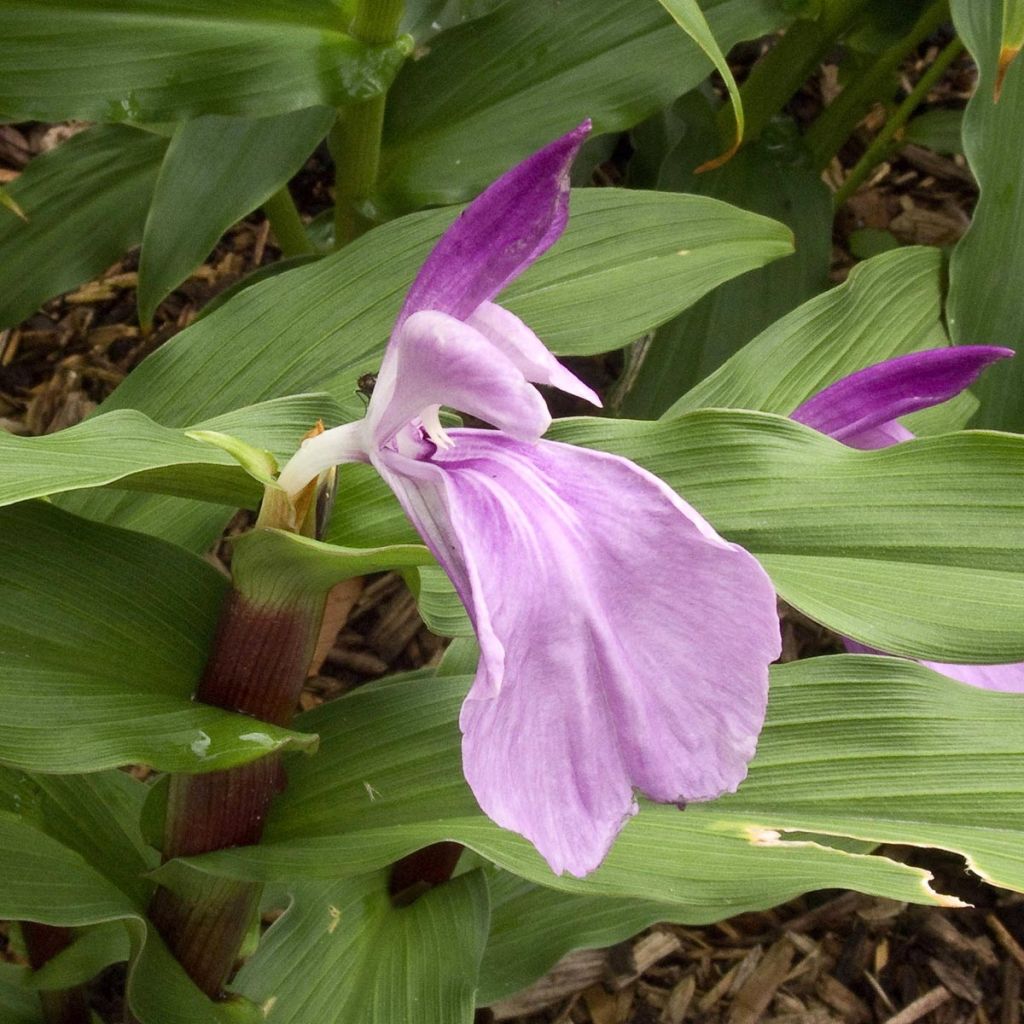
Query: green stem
<point x="879" y="148"/>
<point x="780" y="73"/>
<point x="841" y="117"/>
<point x="355" y="139"/>
<point x="284" y="218"/>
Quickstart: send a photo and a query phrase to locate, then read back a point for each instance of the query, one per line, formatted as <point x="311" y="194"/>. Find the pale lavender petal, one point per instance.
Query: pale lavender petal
<point x="434" y="359"/>
<point x="853" y="407"/>
<point x="625" y="644"/>
<point x="1005" y="678"/>
<point x="500" y="233"/>
<point x="511" y="336"/>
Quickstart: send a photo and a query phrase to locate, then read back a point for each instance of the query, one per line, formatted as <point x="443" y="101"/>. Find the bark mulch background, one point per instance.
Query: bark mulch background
<point x="827" y="957"/>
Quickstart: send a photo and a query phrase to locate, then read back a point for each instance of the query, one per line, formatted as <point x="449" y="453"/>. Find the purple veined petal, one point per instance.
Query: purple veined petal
<point x="433" y="360"/>
<point x="853" y="408"/>
<point x="499" y="234"/>
<point x="511" y="336"/>
<point x="1004" y="678"/>
<point x="593" y="588"/>
<point x="347" y="443"/>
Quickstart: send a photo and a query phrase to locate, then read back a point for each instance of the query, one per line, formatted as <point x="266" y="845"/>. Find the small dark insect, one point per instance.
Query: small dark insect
<point x="365" y="384"/>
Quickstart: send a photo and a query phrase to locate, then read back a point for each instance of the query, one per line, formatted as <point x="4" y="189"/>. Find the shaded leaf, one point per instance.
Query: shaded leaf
<point x="217" y="169"/>
<point x="364" y="960"/>
<point x="106" y="632"/>
<point x="771" y="176"/>
<point x="915" y="549"/>
<point x="84" y="204"/>
<point x="527" y="73"/>
<point x="870" y="747"/>
<point x="167" y="60"/>
<point x="987" y="265"/>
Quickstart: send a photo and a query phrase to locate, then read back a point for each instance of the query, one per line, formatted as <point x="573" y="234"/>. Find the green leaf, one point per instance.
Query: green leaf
<point x="1012" y="39"/>
<point x="771" y="176"/>
<point x="914" y="549"/>
<point x="527" y="73"/>
<point x="988" y="262"/>
<point x="74" y="893"/>
<point x="84" y="203"/>
<point x="263" y="557"/>
<point x="875" y="748"/>
<point x="533" y="927"/>
<point x="616" y="273"/>
<point x="888" y="306"/>
<point x="689" y="17"/>
<point x="92" y="950"/>
<point x="364" y="960"/>
<point x="217" y="169"/>
<point x="18" y="1004"/>
<point x="167" y="60"/>
<point x="939" y="130"/>
<point x="127" y="449"/>
<point x="71" y="854"/>
<point x="439" y="605"/>
<point x="106" y="632"/>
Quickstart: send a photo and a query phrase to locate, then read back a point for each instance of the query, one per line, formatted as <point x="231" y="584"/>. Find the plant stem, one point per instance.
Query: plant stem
<point x="43" y="942"/>
<point x="780" y="73"/>
<point x="837" y="122"/>
<point x="284" y="218"/>
<point x="257" y="667"/>
<point x="878" y="149"/>
<point x="417" y="872"/>
<point x="355" y="139"/>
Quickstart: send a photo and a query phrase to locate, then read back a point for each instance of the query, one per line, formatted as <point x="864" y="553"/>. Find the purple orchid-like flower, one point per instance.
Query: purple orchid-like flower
<point x="624" y="644"/>
<point x="861" y="410"/>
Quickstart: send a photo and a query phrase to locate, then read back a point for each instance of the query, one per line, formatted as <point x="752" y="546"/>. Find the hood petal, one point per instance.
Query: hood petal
<point x="852" y="408"/>
<point x="434" y="359"/>
<point x="593" y="588"/>
<point x="499" y="234"/>
<point x="507" y="333"/>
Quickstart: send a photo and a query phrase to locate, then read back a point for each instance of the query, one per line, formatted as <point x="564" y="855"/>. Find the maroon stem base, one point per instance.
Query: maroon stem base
<point x="43" y="942"/>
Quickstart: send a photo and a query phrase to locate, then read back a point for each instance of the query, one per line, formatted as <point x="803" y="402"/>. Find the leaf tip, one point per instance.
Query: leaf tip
<point x="1007" y="55"/>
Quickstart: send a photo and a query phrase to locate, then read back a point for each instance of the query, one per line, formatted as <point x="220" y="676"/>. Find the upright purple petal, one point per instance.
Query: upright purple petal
<point x="593" y="589"/>
<point x="499" y="234"/>
<point x="860" y="409"/>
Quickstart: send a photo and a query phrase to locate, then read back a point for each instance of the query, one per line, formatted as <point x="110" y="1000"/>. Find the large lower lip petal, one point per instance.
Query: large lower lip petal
<point x="624" y="643"/>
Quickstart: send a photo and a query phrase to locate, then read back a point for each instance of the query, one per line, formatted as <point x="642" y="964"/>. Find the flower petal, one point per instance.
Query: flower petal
<point x="347" y="443"/>
<point x="499" y="234"/>
<point x="852" y="408"/>
<point x="507" y="333"/>
<point x="434" y="359"/>
<point x="625" y="644"/>
<point x="1005" y="678"/>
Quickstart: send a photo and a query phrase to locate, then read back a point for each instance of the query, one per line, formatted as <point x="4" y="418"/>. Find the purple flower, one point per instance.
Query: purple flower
<point x="861" y="410"/>
<point x="624" y="644"/>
